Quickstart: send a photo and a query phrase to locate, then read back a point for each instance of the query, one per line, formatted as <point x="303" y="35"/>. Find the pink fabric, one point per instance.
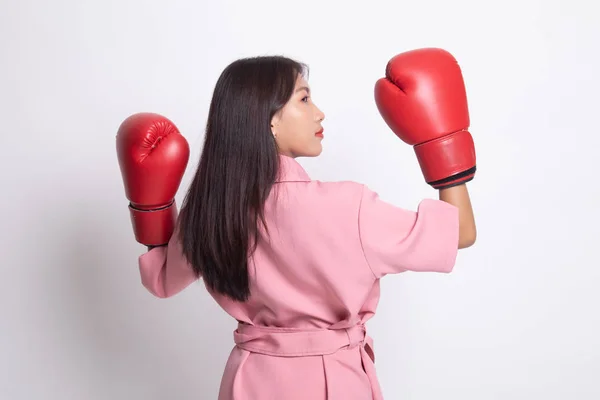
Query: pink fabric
<point x="315" y="284"/>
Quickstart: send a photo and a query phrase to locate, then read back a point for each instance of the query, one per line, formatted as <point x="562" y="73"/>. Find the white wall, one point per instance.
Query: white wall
<point x="518" y="319"/>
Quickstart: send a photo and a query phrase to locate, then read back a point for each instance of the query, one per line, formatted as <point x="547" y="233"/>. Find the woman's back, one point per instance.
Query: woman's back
<point x="308" y="270"/>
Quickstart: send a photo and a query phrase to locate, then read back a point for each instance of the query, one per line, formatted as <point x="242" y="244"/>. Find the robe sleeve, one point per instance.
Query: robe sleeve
<point x="164" y="270"/>
<point x="396" y="240"/>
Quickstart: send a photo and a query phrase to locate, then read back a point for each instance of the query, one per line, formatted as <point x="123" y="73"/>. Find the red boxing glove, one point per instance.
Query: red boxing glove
<point x="153" y="156"/>
<point x="423" y="100"/>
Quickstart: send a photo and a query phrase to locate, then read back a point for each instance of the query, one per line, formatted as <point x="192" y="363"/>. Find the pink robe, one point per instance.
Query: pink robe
<point x="315" y="283"/>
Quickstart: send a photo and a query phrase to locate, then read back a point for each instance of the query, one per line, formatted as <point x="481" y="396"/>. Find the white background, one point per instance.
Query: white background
<point x="517" y="319"/>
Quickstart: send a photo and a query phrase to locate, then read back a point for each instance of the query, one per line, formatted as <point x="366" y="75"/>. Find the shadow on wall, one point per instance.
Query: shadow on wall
<point x="137" y="346"/>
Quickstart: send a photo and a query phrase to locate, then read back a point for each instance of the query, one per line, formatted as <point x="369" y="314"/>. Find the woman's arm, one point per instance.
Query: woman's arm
<point x="459" y="197"/>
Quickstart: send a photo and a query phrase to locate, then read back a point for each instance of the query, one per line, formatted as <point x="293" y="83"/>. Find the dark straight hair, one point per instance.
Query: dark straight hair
<point x="218" y="222"/>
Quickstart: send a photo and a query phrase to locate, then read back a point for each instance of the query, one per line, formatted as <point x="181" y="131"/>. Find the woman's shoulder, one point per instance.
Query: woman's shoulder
<point x="341" y="186"/>
<point x="345" y="192"/>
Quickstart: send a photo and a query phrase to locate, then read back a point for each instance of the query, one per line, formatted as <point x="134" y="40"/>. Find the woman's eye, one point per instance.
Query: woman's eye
<point x="305" y="98"/>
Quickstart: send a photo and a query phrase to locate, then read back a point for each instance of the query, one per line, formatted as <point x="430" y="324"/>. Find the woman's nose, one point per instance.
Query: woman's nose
<point x="320" y="116"/>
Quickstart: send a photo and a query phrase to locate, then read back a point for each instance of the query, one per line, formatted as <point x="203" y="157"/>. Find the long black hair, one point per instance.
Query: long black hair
<point x="237" y="169"/>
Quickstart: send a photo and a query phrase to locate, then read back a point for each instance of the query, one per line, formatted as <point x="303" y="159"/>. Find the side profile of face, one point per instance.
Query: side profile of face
<point x="297" y="127"/>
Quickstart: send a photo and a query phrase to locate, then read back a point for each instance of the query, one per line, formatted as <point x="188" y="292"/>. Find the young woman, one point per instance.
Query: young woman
<point x="295" y="261"/>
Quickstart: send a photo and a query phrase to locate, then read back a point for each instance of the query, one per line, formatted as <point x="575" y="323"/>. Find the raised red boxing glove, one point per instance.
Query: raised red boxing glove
<point x="423" y="100"/>
<point x="153" y="156"/>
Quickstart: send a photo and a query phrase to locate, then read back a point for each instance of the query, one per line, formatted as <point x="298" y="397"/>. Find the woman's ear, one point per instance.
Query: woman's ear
<point x="274" y="124"/>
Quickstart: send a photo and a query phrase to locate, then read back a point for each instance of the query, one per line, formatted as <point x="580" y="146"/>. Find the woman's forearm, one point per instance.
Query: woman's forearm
<point x="459" y="197"/>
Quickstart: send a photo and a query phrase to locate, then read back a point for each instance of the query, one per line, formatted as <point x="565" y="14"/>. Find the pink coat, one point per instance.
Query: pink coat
<point x="315" y="283"/>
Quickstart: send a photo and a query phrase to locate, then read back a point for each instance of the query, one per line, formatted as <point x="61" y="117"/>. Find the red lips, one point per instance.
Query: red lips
<point x="319" y="134"/>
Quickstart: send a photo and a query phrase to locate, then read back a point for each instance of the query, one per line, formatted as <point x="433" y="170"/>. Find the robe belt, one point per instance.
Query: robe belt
<point x="294" y="342"/>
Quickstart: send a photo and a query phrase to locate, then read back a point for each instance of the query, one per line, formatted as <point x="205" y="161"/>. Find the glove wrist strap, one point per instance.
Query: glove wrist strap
<point x="153" y="227"/>
<point x="447" y="161"/>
